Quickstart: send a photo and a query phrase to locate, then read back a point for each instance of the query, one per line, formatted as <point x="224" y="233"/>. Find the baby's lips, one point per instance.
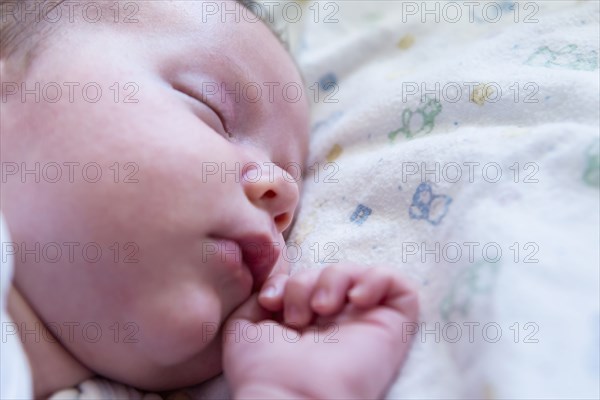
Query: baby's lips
<point x="260" y="254"/>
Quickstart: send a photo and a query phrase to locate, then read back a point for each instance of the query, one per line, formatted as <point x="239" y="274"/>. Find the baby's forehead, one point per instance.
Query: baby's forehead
<point x="218" y="44"/>
<point x="24" y="20"/>
<point x="184" y="14"/>
<point x="241" y="61"/>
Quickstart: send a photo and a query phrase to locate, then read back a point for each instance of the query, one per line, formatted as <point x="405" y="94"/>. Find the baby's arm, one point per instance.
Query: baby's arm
<point x="347" y="338"/>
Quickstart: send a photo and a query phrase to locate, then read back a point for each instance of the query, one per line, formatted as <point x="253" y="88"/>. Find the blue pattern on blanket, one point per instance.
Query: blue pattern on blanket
<point x="328" y="81"/>
<point x="360" y="215"/>
<point x="428" y="206"/>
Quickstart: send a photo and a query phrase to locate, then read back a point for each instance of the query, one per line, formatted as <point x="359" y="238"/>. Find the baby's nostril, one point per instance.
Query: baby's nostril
<point x="281" y="220"/>
<point x="270" y="194"/>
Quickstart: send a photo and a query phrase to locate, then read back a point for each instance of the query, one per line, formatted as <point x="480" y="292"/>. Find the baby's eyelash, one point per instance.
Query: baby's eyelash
<point x="221" y="118"/>
<point x="192" y="94"/>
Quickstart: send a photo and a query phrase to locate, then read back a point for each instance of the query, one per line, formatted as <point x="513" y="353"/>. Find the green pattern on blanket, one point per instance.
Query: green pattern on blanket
<point x="476" y="280"/>
<point x="422" y="119"/>
<point x="592" y="171"/>
<point x="566" y="57"/>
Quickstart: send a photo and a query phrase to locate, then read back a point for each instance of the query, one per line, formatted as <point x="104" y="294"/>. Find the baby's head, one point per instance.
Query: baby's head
<point x="178" y="196"/>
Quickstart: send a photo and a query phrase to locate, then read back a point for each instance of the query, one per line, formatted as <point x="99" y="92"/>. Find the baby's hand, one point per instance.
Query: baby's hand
<point x="331" y="333"/>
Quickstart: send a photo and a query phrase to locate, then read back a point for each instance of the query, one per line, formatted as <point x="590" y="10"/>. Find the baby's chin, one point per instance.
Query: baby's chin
<point x="199" y="368"/>
<point x="177" y="343"/>
<point x="166" y="373"/>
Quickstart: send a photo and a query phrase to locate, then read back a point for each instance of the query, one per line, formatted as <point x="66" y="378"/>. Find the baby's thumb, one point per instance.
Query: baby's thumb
<point x="249" y="312"/>
<point x="246" y="318"/>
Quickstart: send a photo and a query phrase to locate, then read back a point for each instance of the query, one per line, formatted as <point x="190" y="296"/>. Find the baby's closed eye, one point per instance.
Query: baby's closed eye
<point x="208" y="113"/>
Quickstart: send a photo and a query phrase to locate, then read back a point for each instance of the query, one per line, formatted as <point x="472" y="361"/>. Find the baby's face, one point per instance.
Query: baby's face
<point x="172" y="210"/>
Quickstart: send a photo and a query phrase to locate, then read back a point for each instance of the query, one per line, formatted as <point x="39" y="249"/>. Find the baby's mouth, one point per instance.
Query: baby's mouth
<point x="260" y="253"/>
<point x="257" y="252"/>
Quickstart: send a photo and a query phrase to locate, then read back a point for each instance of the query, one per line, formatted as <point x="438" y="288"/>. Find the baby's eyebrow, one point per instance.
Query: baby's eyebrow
<point x="242" y="75"/>
<point x="266" y="18"/>
<point x="237" y="73"/>
<point x="251" y="5"/>
<point x="232" y="71"/>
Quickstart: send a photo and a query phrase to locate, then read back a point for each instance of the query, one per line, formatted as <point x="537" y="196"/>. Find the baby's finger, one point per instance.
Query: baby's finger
<point x="330" y="291"/>
<point x="271" y="294"/>
<point x="249" y="311"/>
<point x="403" y="296"/>
<point x="371" y="287"/>
<point x="296" y="299"/>
<point x="385" y="286"/>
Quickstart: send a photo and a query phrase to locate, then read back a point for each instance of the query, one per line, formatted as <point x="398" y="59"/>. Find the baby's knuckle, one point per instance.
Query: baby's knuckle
<point x="334" y="270"/>
<point x="301" y="280"/>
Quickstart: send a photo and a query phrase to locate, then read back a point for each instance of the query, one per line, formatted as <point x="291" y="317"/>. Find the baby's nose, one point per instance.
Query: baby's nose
<point x="273" y="190"/>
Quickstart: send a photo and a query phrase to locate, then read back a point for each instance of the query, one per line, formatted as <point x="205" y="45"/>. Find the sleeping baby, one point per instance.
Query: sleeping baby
<point x="147" y="213"/>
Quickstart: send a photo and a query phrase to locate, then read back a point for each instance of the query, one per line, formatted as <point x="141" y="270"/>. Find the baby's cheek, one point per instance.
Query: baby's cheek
<point x="170" y="339"/>
<point x="180" y="324"/>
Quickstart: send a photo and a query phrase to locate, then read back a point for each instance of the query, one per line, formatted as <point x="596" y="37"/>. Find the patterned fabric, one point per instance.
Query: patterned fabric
<point x="465" y="153"/>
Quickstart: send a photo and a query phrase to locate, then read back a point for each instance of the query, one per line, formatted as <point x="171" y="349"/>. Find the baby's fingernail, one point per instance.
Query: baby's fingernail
<point x="356" y="292"/>
<point x="320" y="297"/>
<point x="269" y="291"/>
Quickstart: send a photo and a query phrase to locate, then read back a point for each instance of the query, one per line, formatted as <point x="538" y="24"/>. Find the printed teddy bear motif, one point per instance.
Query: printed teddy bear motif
<point x="420" y="120"/>
<point x="566" y="57"/>
<point x="428" y="206"/>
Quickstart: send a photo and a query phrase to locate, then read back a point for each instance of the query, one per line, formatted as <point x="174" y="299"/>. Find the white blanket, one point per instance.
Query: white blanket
<point x="465" y="153"/>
